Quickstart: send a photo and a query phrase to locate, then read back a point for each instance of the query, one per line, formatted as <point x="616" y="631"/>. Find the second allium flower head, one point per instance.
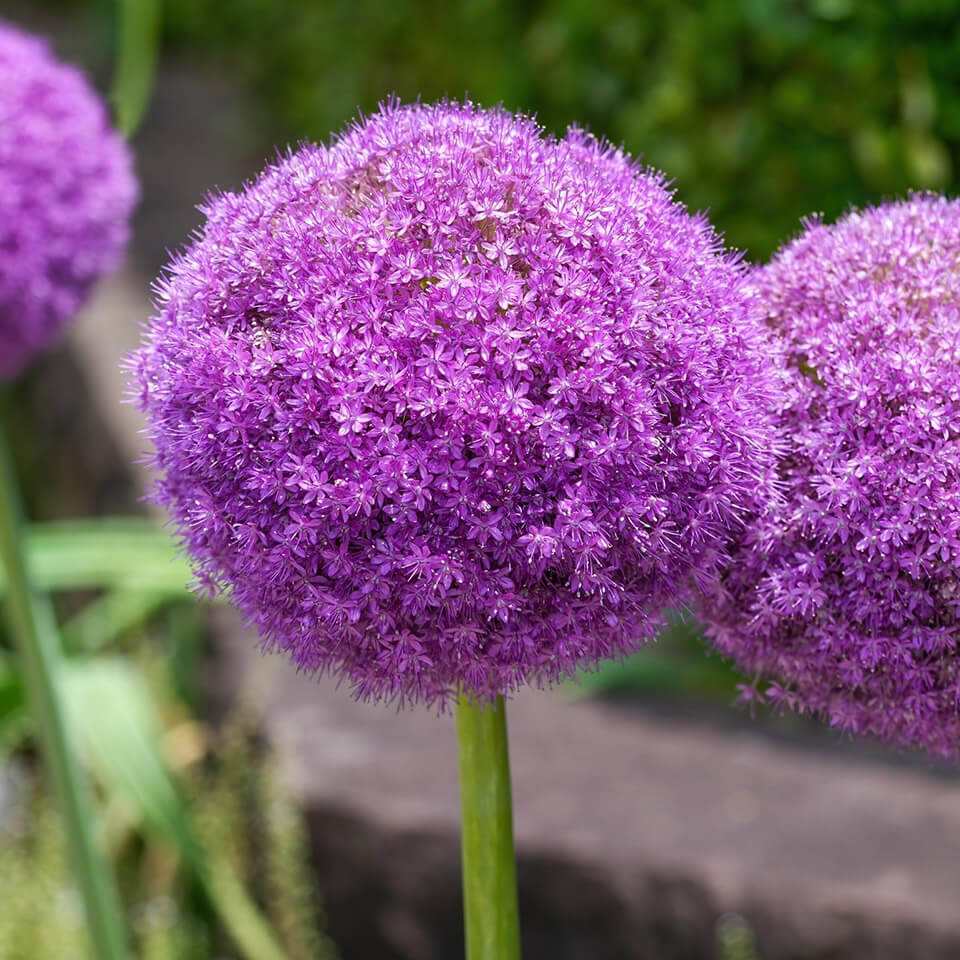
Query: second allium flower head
<point x="453" y="404"/>
<point x="847" y="592"/>
<point x="66" y="192"/>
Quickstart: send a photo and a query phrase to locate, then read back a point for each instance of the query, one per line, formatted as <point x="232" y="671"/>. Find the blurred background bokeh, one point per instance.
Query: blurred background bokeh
<point x="761" y="111"/>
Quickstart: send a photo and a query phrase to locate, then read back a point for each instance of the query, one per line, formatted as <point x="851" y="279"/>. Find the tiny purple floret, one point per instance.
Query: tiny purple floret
<point x="846" y="595"/>
<point x="66" y="191"/>
<point x="453" y="404"/>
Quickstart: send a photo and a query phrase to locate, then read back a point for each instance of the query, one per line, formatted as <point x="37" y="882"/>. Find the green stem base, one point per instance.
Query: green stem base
<point x="491" y="919"/>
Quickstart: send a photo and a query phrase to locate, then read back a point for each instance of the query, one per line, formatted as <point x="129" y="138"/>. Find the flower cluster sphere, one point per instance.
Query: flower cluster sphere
<point x="66" y="191"/>
<point x="454" y="405"/>
<point x="847" y="594"/>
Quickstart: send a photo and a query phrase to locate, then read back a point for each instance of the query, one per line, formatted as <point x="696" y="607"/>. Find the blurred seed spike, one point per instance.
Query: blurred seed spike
<point x="293" y="901"/>
<point x="226" y="808"/>
<point x="244" y="808"/>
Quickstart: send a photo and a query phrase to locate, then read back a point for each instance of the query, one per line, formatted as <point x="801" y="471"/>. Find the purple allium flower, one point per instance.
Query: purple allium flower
<point x="848" y="592"/>
<point x="454" y="404"/>
<point x="66" y="192"/>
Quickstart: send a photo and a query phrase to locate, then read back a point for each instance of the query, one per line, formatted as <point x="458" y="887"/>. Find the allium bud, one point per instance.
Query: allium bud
<point x="847" y="594"/>
<point x="453" y="404"/>
<point x="66" y="192"/>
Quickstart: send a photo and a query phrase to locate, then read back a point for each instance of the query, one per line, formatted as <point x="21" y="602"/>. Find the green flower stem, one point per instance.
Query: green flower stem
<point x="34" y="631"/>
<point x="138" y="23"/>
<point x="489" y="867"/>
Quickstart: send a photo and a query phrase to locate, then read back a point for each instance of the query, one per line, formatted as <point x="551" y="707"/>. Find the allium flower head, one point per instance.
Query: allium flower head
<point x="66" y="191"/>
<point x="454" y="404"/>
<point x="848" y="592"/>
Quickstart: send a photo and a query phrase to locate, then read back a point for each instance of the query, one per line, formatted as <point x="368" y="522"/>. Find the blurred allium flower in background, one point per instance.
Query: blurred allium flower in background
<point x="848" y="594"/>
<point x="66" y="192"/>
<point x="452" y="403"/>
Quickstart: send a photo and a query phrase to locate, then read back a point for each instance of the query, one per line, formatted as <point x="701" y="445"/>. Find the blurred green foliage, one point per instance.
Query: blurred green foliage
<point x="174" y="797"/>
<point x="762" y="110"/>
<point x="236" y="794"/>
<point x="677" y="665"/>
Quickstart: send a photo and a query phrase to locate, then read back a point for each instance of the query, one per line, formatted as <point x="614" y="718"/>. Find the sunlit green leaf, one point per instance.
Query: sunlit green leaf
<point x="109" y="553"/>
<point x="103" y="620"/>
<point x="111" y="711"/>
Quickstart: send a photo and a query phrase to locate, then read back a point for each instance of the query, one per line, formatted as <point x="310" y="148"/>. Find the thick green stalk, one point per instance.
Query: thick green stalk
<point x="489" y="868"/>
<point x="34" y="631"/>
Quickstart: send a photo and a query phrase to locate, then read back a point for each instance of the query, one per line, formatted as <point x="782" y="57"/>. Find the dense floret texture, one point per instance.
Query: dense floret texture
<point x="848" y="594"/>
<point x="66" y="192"/>
<point x="452" y="404"/>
